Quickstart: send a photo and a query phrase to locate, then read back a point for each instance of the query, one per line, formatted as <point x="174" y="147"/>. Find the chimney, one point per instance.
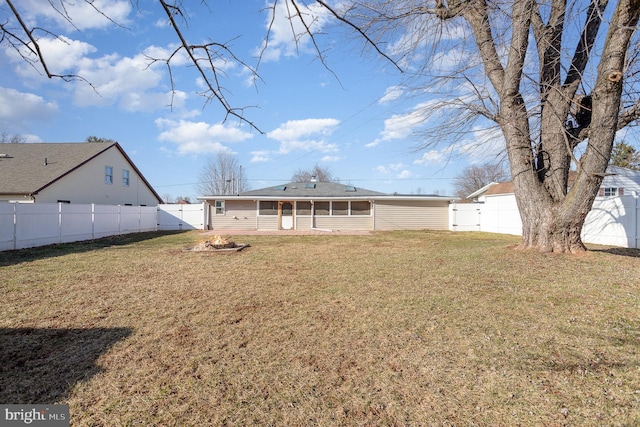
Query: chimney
<point x="313" y="178"/>
<point x="45" y="162"/>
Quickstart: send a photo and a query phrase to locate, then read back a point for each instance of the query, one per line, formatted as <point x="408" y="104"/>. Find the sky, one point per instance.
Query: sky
<point x="351" y="115"/>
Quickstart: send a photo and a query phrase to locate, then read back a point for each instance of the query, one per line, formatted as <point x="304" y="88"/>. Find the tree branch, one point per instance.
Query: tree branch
<point x="214" y="87"/>
<point x="477" y="16"/>
<point x="586" y="41"/>
<point x="359" y="31"/>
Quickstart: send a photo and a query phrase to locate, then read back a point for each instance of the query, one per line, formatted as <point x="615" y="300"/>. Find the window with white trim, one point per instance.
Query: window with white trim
<point x="268" y="208"/>
<point x="125" y="178"/>
<point x="321" y="208"/>
<point x="303" y="208"/>
<point x="339" y="208"/>
<point x="611" y="191"/>
<point x="361" y="208"/>
<point x="108" y="174"/>
<point x="219" y="205"/>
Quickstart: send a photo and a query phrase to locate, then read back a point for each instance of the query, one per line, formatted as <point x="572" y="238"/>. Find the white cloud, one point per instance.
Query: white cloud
<point x="119" y="79"/>
<point x="382" y="169"/>
<point x="287" y="34"/>
<point x="62" y="56"/>
<point x="435" y="156"/>
<point x="400" y="126"/>
<point x="261" y="156"/>
<point x="130" y="82"/>
<point x="487" y="144"/>
<point x="405" y="174"/>
<point x="305" y="135"/>
<point x="200" y="137"/>
<point x="395" y="167"/>
<point x="82" y="15"/>
<point x="331" y="159"/>
<point x="391" y="94"/>
<point x="18" y="109"/>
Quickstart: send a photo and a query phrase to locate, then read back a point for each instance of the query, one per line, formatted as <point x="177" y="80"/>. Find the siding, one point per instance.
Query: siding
<point x="239" y="215"/>
<point x="86" y="184"/>
<point x="268" y="222"/>
<point x="303" y="222"/>
<point x="411" y="215"/>
<point x="353" y="222"/>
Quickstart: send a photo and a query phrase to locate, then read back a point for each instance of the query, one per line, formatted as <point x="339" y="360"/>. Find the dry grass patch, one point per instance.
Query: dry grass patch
<point x="402" y="328"/>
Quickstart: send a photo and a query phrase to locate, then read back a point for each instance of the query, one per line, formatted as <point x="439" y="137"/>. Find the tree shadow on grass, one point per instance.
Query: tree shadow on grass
<point x="40" y="366"/>
<point x="630" y="252"/>
<point x="49" y="251"/>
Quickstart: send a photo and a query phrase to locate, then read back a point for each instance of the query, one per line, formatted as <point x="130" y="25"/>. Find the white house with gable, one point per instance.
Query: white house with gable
<point x="614" y="218"/>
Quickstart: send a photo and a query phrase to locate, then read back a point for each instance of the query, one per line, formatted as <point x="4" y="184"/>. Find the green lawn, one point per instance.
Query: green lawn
<point x="398" y="328"/>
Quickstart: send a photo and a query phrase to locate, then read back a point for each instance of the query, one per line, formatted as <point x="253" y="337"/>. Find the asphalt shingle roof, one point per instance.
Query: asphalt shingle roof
<point x="23" y="169"/>
<point x="311" y="189"/>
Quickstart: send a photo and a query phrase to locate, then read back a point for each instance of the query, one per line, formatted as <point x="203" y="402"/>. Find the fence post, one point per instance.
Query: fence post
<point x="636" y="217"/>
<point x="59" y="222"/>
<point x="15" y="227"/>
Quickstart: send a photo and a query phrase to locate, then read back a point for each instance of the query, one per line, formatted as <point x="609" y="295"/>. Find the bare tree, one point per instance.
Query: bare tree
<point x="222" y="174"/>
<point x="557" y="103"/>
<point x="319" y="173"/>
<point x="24" y="37"/>
<point x="6" y="138"/>
<point x="475" y="177"/>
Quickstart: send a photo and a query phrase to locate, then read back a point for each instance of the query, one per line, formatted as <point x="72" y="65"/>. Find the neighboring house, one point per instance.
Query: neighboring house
<point x="98" y="173"/>
<point x="613" y="220"/>
<point x="325" y="206"/>
<point x="617" y="182"/>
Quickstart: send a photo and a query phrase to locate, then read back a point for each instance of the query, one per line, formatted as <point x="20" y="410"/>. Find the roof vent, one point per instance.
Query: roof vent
<point x="4" y="156"/>
<point x="313" y="178"/>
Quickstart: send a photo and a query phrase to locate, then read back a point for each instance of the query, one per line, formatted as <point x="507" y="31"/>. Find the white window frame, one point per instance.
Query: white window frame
<point x="125" y="177"/>
<point x="611" y="191"/>
<point x="108" y="175"/>
<point x="219" y="207"/>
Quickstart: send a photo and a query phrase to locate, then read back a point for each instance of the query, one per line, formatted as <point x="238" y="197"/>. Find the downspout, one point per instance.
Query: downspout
<point x="373" y="212"/>
<point x="257" y="212"/>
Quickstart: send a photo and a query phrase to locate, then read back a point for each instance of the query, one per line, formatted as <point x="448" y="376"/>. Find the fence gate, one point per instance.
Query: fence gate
<point x="464" y="217"/>
<point x="181" y="217"/>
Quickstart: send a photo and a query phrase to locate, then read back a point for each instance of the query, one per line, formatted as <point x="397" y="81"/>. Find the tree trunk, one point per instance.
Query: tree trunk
<point x="550" y="228"/>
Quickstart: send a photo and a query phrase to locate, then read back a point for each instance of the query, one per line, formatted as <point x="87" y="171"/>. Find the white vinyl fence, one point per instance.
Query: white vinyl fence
<point x="27" y="225"/>
<point x="181" y="217"/>
<point x="612" y="221"/>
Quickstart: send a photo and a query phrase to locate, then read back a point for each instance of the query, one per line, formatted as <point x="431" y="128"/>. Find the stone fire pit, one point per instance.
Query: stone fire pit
<point x="217" y="244"/>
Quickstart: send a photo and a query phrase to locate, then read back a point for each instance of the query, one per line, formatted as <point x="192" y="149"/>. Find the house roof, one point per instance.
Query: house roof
<point x="614" y="176"/>
<point x="28" y="168"/>
<point x="311" y="189"/>
<point x="500" y="188"/>
<point x="317" y="191"/>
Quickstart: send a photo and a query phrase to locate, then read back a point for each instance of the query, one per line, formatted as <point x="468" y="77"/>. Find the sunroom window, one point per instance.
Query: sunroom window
<point x="219" y="207"/>
<point x="268" y="208"/>
<point x="360" y="208"/>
